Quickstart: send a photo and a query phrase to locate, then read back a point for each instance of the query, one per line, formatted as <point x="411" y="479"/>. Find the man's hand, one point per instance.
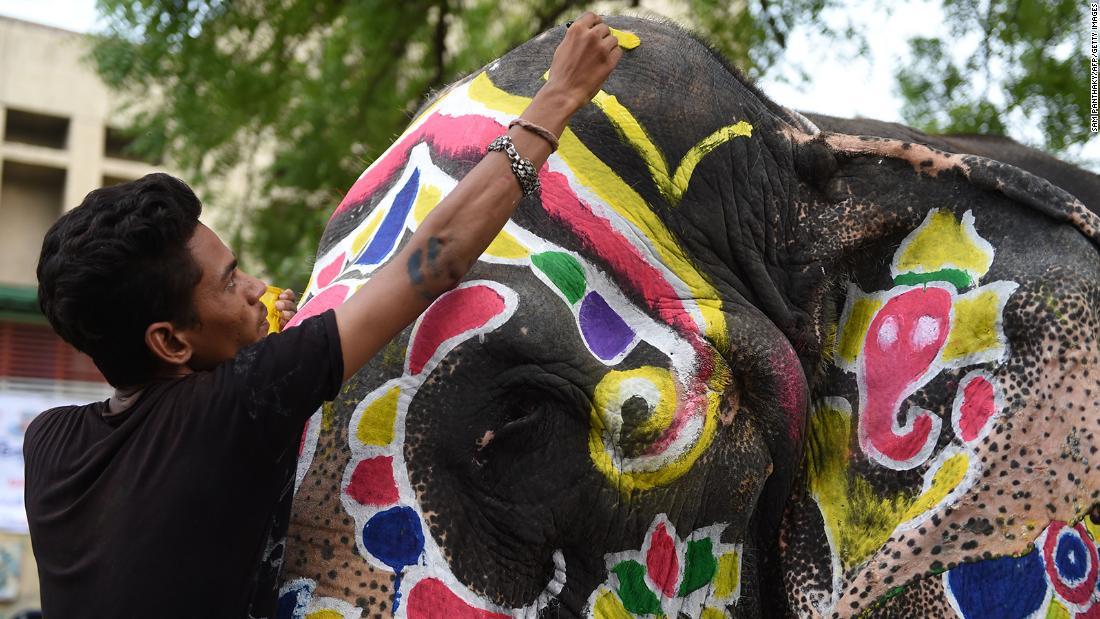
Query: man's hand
<point x="583" y="60"/>
<point x="287" y="305"/>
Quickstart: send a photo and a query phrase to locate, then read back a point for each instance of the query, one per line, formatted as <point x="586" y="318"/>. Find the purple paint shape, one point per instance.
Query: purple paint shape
<point x="606" y="332"/>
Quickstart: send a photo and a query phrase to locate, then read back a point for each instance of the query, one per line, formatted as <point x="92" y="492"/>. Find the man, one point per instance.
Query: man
<point x="166" y="499"/>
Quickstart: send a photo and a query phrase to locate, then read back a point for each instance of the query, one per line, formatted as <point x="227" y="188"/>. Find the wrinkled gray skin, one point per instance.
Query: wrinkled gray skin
<point x="1082" y="184"/>
<point x="496" y="439"/>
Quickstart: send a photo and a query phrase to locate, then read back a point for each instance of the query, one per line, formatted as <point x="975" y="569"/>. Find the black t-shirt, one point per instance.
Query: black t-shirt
<point x="178" y="506"/>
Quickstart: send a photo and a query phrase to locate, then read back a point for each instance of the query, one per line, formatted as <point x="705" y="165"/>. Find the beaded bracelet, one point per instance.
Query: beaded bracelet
<point x="537" y="130"/>
<point x="524" y="170"/>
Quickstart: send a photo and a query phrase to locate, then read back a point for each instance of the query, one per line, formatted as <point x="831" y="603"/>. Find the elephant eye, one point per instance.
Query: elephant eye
<point x="525" y="414"/>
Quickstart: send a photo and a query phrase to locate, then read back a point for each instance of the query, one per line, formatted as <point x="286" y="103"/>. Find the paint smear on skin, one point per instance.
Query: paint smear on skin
<point x="393" y="224"/>
<point x="977" y="408"/>
<point x="394" y="536"/>
<point x="854" y="330"/>
<point x="608" y="606"/>
<point x="672" y="186"/>
<point x="957" y="278"/>
<point x="976" y="326"/>
<point x="564" y="271"/>
<point x="902" y="342"/>
<point x="506" y="246"/>
<point x="1057" y="611"/>
<point x="426" y="200"/>
<point x="329" y="298"/>
<point x="605" y="332"/>
<point x="325" y="614"/>
<point x="372" y="482"/>
<point x="451" y="315"/>
<point x="376" y="424"/>
<point x="713" y="613"/>
<point x="942" y="242"/>
<point x="626" y="38"/>
<point x="859" y="520"/>
<point x="1001" y="587"/>
<point x="950" y="474"/>
<point x="364" y="235"/>
<point x="330" y="271"/>
<point x="430" y="598"/>
<point x="699" y="566"/>
<point x="728" y="578"/>
<point x="661" y="561"/>
<point x="791" y="388"/>
<point x="635" y="594"/>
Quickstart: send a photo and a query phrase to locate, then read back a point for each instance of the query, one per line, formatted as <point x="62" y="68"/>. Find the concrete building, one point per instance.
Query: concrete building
<point x="59" y="126"/>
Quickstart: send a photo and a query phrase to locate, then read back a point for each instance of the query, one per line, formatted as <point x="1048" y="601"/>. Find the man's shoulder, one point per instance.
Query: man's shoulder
<point x="54" y="418"/>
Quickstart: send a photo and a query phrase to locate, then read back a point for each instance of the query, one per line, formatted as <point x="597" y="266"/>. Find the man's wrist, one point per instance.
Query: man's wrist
<point x="552" y="108"/>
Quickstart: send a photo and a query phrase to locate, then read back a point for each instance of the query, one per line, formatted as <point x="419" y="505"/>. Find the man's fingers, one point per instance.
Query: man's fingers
<point x="587" y="20"/>
<point x="602" y="30"/>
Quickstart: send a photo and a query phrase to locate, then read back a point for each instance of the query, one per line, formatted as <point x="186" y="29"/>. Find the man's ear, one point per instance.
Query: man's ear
<point x="168" y="344"/>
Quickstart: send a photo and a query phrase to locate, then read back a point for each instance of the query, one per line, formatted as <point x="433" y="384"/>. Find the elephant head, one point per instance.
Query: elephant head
<point x="655" y="393"/>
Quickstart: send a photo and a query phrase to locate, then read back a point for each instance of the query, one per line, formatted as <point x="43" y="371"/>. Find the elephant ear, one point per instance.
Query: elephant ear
<point x="964" y="325"/>
<point x="869" y="187"/>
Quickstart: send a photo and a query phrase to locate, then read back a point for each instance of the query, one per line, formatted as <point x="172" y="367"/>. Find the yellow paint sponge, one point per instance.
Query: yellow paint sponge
<point x="268" y="299"/>
<point x="627" y="39"/>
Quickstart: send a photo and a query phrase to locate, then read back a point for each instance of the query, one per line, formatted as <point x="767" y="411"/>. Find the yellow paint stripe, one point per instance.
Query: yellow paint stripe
<point x="673" y="186"/>
<point x="633" y="132"/>
<point x="363" y="236"/>
<point x="687" y="165"/>
<point x="948" y="477"/>
<point x="854" y="330"/>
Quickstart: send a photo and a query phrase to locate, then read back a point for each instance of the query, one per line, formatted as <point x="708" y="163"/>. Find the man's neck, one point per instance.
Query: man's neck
<point x="123" y="399"/>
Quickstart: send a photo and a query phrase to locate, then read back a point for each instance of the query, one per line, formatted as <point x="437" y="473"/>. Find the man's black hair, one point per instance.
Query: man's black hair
<point x="116" y="264"/>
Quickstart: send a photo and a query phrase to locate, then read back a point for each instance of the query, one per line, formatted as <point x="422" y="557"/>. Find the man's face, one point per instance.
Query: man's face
<point x="227" y="301"/>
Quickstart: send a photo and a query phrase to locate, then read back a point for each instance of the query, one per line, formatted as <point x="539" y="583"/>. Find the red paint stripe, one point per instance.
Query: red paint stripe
<point x="448" y="135"/>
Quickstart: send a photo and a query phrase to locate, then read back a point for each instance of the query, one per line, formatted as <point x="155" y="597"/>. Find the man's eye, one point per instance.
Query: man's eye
<point x="232" y="283"/>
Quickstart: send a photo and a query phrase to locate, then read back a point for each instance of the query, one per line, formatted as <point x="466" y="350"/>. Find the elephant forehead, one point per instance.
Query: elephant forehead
<point x="587" y="203"/>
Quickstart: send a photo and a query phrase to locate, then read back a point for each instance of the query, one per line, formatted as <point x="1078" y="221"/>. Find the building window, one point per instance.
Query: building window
<point x="119" y="144"/>
<point x="31" y="199"/>
<point x="109" y="180"/>
<point x="36" y="129"/>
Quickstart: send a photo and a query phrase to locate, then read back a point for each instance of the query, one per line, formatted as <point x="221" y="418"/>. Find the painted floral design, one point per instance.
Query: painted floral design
<point x="697" y="576"/>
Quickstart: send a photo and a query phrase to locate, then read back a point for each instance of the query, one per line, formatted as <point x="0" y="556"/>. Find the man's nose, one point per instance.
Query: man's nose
<point x="256" y="290"/>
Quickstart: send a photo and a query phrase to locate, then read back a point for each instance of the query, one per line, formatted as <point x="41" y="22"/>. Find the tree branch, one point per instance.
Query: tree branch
<point x="440" y="46"/>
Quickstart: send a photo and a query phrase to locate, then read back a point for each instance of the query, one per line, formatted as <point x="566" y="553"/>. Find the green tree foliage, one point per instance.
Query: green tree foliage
<point x="303" y="94"/>
<point x="1001" y="63"/>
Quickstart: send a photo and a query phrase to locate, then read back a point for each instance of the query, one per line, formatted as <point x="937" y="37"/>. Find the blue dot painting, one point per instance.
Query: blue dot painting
<point x="394" y="536"/>
<point x="1003" y="587"/>
<point x="1071" y="558"/>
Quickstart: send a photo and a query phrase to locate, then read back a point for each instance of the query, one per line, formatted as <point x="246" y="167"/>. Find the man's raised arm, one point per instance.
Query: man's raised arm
<point x="457" y="231"/>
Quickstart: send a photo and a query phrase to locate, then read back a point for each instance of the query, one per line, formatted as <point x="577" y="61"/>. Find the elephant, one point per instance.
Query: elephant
<point x="724" y="363"/>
